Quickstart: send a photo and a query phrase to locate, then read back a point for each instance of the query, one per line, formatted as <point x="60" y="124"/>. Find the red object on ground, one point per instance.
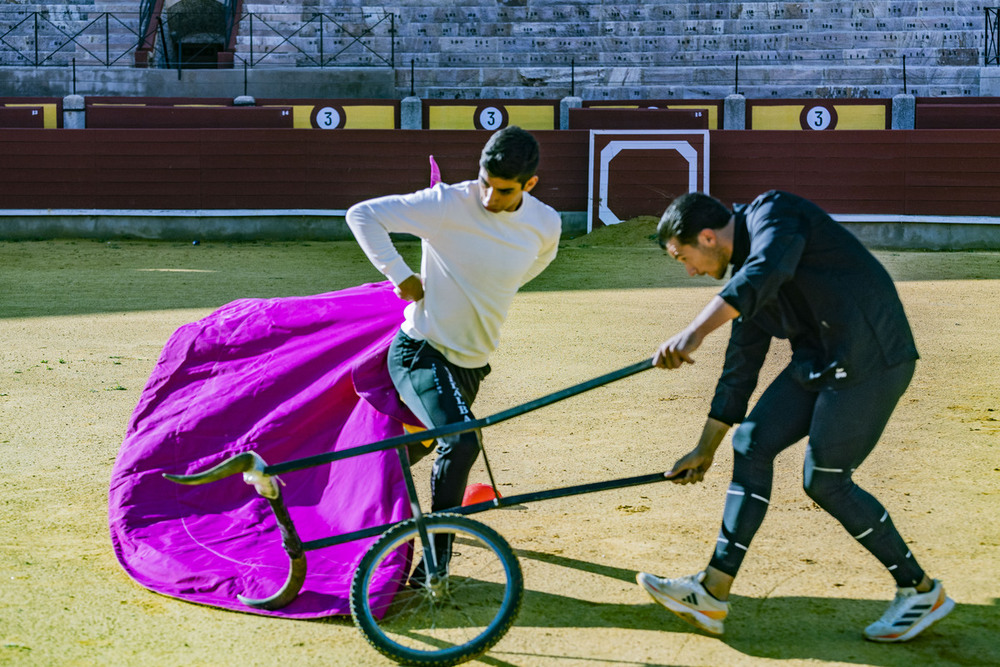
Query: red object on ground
<point x="478" y="493"/>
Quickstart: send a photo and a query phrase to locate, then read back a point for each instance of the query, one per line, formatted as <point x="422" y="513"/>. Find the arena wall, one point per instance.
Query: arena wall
<point x="253" y="183"/>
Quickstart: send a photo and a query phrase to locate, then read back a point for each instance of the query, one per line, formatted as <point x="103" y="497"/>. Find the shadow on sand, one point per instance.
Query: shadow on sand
<point x="777" y="628"/>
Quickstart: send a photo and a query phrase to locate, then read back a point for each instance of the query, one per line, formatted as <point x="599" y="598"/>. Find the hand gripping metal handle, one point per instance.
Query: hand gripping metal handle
<point x="252" y="466"/>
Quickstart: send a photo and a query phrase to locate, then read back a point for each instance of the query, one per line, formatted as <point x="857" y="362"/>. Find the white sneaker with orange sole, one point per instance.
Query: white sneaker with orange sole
<point x="910" y="614"/>
<point x="687" y="597"/>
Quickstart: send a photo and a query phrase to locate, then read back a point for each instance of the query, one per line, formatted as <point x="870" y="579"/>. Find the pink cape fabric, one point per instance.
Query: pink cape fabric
<point x="435" y="172"/>
<point x="287" y="378"/>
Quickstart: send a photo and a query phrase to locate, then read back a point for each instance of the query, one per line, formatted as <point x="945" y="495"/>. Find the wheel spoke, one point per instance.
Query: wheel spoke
<point x="453" y="618"/>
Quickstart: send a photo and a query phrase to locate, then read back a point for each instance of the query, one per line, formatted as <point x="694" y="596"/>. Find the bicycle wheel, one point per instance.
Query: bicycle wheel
<point x="454" y="617"/>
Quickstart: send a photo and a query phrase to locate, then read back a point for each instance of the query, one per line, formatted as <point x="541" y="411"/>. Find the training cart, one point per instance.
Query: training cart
<point x="462" y="607"/>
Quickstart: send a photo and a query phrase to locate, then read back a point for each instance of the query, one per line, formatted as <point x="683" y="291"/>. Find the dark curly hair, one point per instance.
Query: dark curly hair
<point x="511" y="154"/>
<point x="688" y="215"/>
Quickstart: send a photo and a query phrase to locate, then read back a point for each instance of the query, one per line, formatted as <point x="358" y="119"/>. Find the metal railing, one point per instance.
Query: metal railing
<point x="992" y="41"/>
<point x="41" y="39"/>
<point x="321" y="39"/>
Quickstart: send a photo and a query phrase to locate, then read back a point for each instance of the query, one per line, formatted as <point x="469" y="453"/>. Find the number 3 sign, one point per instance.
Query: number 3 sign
<point x="489" y="117"/>
<point x="818" y="118"/>
<point x="328" y="118"/>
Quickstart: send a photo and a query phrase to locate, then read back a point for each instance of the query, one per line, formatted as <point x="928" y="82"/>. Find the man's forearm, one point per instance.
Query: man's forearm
<point x="713" y="316"/>
<point x="712" y="435"/>
<point x="376" y="243"/>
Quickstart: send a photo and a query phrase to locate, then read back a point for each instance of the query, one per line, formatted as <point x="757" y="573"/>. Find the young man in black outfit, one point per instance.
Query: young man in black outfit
<point x="799" y="275"/>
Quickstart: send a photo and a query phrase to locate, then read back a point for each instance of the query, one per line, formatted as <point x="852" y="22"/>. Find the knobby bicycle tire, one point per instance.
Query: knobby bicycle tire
<point x="452" y="620"/>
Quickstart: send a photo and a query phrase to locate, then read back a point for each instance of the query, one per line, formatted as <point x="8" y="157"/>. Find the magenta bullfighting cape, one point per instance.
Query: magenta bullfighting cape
<point x="286" y="378"/>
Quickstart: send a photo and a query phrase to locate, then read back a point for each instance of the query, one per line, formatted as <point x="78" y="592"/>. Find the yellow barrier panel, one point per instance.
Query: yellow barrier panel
<point x="531" y="117"/>
<point x="370" y="117"/>
<point x="860" y="116"/>
<point x="776" y="117"/>
<point x="301" y="116"/>
<point x="848" y="116"/>
<point x="451" y="118"/>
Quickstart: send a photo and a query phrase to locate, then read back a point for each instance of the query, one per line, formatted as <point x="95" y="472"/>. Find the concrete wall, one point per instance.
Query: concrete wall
<point x="385" y="82"/>
<point x="187" y="226"/>
<point x="190" y="226"/>
<point x="314" y="225"/>
<point x="345" y="83"/>
<point x="989" y="81"/>
<point x="926" y="233"/>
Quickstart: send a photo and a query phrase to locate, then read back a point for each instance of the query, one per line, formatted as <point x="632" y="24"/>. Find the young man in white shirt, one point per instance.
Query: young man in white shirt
<point x="481" y="240"/>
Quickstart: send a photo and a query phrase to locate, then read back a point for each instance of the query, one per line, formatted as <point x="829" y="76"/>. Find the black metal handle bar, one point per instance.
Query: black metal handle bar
<point x="463" y="427"/>
<point x="563" y="492"/>
<point x="476" y="508"/>
<point x="256" y="472"/>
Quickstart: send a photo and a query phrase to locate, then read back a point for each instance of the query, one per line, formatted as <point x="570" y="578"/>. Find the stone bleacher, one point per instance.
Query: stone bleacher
<point x="689" y="49"/>
<point x="595" y="49"/>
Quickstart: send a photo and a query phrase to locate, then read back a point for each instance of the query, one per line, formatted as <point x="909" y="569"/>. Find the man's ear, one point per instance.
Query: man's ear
<point x="708" y="238"/>
<point x="529" y="184"/>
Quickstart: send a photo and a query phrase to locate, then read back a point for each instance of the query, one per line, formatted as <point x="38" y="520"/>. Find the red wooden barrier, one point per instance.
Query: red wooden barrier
<point x="957" y="116"/>
<point x="932" y="172"/>
<point x="22" y="117"/>
<point x="114" y="116"/>
<point x="638" y="119"/>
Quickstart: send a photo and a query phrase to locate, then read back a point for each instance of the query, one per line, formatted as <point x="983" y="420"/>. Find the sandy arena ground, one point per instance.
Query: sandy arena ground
<point x="83" y="323"/>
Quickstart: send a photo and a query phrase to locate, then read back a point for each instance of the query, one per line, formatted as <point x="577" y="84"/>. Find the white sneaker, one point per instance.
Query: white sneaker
<point x="687" y="598"/>
<point x="910" y="614"/>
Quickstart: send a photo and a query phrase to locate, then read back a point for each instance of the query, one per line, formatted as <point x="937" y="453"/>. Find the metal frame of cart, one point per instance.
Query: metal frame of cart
<point x="441" y="613"/>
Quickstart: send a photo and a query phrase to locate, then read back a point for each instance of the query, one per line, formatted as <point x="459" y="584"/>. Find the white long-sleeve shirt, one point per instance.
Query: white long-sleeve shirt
<point x="473" y="261"/>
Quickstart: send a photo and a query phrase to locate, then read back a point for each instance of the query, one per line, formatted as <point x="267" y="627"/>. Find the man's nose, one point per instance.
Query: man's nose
<point x="691" y="270"/>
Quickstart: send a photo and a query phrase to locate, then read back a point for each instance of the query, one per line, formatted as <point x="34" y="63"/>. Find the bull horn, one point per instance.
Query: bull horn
<point x="249" y="463"/>
<point x="234" y="464"/>
<point x="252" y="466"/>
<point x="296" y="561"/>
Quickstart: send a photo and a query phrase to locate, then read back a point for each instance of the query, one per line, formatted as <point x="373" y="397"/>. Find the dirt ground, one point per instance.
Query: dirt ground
<point x="82" y="323"/>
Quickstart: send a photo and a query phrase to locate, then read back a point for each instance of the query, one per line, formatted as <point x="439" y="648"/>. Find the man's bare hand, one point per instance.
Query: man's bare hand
<point x="691" y="468"/>
<point x="677" y="350"/>
<point x="411" y="289"/>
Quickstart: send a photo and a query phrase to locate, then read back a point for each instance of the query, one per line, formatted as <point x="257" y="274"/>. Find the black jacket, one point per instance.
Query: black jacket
<point x="798" y="274"/>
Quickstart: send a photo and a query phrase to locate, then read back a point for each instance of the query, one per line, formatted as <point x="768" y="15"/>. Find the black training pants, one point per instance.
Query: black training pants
<point x="438" y="393"/>
<point x="843" y="426"/>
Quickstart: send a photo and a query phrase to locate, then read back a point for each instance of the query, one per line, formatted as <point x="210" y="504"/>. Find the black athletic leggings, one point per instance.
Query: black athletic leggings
<point x="843" y="426"/>
<point x="438" y="393"/>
